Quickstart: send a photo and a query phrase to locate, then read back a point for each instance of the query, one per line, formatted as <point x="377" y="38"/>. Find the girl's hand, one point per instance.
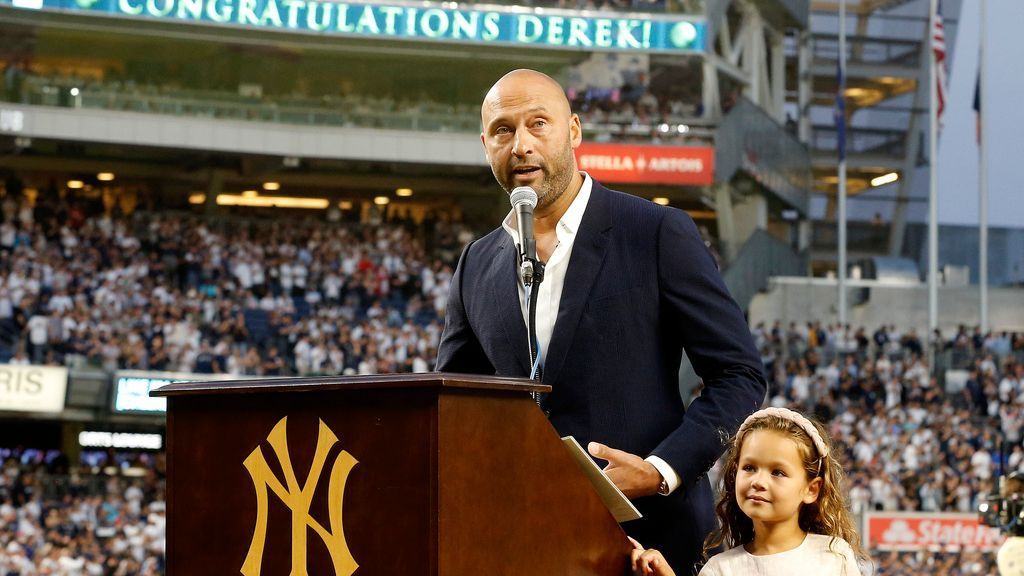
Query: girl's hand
<point x="648" y="562"/>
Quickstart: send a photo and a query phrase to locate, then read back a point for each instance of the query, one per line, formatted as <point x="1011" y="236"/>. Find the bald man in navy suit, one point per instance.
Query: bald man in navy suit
<point x="629" y="286"/>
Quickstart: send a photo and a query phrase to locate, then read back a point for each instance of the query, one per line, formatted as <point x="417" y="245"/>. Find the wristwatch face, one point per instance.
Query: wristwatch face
<point x="663" y="488"/>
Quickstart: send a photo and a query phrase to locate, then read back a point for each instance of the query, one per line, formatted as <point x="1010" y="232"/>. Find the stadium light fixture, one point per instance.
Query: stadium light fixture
<point x="75" y="92"/>
<point x="682" y="128"/>
<point x="403" y="192"/>
<point x="381" y="200"/>
<point x="702" y="214"/>
<point x="885" y="179"/>
<point x="857" y="92"/>
<point x="197" y="198"/>
<point x="345" y="204"/>
<point x="105" y="176"/>
<point x="271" y="186"/>
<point x="249" y="194"/>
<point x="76" y="184"/>
<point x="660" y="200"/>
<point x="663" y="128"/>
<point x="258" y="201"/>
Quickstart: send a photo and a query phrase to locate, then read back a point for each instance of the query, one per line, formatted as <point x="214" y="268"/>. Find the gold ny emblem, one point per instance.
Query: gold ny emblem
<point x="298" y="501"/>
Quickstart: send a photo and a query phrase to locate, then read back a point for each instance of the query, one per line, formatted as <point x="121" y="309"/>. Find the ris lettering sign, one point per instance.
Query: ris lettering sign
<point x="12" y="120"/>
<point x="514" y="26"/>
<point x="32" y="388"/>
<point x="638" y="164"/>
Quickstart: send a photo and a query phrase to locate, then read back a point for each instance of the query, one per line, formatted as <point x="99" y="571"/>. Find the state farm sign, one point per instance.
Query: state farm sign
<point x="626" y="164"/>
<point x="922" y="531"/>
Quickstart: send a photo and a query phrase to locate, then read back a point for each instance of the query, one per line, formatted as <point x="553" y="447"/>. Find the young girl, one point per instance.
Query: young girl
<point x="781" y="507"/>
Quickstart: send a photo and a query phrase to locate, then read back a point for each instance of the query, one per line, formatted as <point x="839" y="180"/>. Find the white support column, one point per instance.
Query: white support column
<point x="710" y="91"/>
<point x="803" y="235"/>
<point x="750" y="214"/>
<point x="751" y="49"/>
<point x="804" y="84"/>
<point x="726" y="222"/>
<point x="778" y="78"/>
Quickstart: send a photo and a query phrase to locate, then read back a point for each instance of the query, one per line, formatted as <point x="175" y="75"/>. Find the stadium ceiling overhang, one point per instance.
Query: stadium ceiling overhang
<point x="423" y="21"/>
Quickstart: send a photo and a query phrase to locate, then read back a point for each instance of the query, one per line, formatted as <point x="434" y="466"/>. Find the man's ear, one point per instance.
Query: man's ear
<point x="483" y="142"/>
<point x="813" y="491"/>
<point x="575" y="131"/>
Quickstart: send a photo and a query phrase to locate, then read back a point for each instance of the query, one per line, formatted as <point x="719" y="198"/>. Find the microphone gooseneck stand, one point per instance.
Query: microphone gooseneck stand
<point x="532" y="270"/>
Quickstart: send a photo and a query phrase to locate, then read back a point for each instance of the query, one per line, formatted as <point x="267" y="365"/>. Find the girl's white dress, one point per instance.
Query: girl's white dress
<point x="813" y="554"/>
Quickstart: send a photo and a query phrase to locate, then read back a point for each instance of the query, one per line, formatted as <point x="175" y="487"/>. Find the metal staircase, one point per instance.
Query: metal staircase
<point x="887" y="67"/>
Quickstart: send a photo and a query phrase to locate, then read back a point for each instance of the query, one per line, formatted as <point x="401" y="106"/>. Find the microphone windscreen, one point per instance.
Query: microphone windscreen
<point x="523" y="194"/>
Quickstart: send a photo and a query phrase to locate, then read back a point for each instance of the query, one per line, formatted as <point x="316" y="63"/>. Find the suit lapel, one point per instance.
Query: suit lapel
<point x="588" y="252"/>
<point x="503" y="280"/>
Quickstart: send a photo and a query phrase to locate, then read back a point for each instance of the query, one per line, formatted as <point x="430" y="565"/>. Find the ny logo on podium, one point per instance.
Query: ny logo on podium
<point x="298" y="500"/>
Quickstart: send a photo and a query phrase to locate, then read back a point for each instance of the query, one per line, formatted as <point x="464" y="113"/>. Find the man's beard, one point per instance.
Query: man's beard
<point x="556" y="179"/>
<point x="556" y="185"/>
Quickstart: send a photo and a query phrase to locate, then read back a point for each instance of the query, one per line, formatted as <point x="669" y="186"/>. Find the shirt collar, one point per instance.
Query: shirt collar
<point x="570" y="221"/>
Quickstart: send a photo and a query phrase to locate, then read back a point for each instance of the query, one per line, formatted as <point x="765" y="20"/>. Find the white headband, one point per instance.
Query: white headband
<point x="796" y="418"/>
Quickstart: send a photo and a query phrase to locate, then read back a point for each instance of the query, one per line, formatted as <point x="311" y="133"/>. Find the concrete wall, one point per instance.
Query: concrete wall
<point x="958" y="246"/>
<point x="245" y="137"/>
<point x="750" y="214"/>
<point x="808" y="299"/>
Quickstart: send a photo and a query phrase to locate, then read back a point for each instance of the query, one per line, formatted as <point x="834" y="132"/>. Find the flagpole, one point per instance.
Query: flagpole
<point x="933" y="208"/>
<point x="982" y="181"/>
<point x="841" y="193"/>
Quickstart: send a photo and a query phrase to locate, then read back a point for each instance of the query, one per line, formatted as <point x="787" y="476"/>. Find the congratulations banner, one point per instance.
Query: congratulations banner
<point x="540" y="28"/>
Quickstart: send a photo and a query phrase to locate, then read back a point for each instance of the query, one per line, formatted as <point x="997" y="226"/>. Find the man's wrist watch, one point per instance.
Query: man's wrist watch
<point x="663" y="487"/>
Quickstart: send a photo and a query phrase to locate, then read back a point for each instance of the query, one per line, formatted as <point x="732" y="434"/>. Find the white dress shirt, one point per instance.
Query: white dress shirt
<point x="555" y="267"/>
<point x="554" y="280"/>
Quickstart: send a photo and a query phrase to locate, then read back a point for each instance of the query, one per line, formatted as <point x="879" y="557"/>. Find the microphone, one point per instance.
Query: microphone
<point x="523" y="200"/>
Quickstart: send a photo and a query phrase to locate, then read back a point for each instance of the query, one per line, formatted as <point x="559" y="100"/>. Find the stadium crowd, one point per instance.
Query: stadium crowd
<point x="184" y="293"/>
<point x="908" y="443"/>
<point x="175" y="294"/>
<point x="57" y="521"/>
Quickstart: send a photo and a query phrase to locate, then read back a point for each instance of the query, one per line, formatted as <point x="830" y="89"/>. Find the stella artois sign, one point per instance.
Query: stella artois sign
<point x="643" y="164"/>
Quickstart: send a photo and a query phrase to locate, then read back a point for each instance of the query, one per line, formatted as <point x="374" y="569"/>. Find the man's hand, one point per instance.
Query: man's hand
<point x="632" y="474"/>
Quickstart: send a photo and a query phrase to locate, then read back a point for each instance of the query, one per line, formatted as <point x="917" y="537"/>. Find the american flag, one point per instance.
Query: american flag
<point x="939" y="54"/>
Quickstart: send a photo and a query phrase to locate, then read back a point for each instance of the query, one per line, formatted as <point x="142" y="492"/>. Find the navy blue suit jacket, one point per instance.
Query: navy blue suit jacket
<point x="641" y="287"/>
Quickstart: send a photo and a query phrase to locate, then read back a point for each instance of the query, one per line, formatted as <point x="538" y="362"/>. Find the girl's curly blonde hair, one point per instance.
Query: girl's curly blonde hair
<point x="828" y="515"/>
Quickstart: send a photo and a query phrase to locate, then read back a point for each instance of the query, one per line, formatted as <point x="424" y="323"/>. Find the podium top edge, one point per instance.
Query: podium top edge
<point x="439" y="380"/>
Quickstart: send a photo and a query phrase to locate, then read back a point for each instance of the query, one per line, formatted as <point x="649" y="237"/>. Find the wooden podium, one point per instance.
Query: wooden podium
<point x="396" y="475"/>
